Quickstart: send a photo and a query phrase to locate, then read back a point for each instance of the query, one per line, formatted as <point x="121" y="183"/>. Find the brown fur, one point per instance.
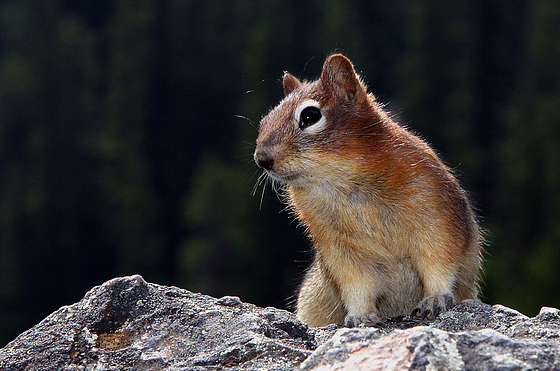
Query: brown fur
<point x="391" y="227"/>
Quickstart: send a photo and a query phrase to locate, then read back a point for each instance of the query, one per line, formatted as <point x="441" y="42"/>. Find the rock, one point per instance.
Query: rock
<point x="471" y="336"/>
<point x="128" y="324"/>
<point x="428" y="348"/>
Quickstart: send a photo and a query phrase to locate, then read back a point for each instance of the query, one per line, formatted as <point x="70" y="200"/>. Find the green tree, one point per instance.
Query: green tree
<point x="47" y="101"/>
<point x="530" y="180"/>
<point x="130" y="203"/>
<point x="437" y="77"/>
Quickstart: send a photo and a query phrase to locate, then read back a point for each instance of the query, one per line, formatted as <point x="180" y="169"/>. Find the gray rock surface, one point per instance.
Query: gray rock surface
<point x="472" y="336"/>
<point x="128" y="324"/>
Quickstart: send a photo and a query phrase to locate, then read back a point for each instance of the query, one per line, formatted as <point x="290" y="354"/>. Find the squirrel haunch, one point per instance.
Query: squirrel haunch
<point x="393" y="232"/>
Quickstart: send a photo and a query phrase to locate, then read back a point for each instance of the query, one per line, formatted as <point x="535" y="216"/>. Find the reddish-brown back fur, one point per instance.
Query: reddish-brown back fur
<point x="390" y="224"/>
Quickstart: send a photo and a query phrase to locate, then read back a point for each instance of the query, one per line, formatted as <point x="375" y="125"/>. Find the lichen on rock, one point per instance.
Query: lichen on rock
<point x="129" y="324"/>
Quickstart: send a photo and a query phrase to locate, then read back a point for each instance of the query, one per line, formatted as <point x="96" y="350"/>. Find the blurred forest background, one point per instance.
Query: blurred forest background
<point x="123" y="149"/>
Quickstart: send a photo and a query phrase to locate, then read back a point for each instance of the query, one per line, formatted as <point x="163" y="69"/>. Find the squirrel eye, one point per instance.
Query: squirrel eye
<point x="309" y="116"/>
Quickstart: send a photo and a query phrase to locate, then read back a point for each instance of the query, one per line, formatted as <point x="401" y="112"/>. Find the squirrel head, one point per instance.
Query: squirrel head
<point x="318" y="129"/>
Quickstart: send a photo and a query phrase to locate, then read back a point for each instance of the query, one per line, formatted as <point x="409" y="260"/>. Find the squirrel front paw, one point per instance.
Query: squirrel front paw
<point x="432" y="306"/>
<point x="361" y="321"/>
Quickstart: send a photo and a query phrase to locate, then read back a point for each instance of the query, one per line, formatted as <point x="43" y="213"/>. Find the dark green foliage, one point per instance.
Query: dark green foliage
<point x="123" y="148"/>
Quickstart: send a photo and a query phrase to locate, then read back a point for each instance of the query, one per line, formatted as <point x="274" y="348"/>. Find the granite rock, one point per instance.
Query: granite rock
<point x="129" y="324"/>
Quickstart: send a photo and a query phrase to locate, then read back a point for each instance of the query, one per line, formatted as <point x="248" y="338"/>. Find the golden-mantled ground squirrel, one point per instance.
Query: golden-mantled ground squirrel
<point x="393" y="231"/>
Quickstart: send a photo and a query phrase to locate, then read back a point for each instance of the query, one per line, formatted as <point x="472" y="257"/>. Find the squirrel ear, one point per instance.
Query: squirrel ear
<point x="290" y="83"/>
<point x="339" y="74"/>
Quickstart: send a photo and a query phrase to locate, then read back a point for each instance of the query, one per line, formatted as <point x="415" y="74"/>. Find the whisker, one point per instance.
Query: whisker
<point x="262" y="180"/>
<point x="251" y="122"/>
<point x="275" y="189"/>
<point x="252" y="176"/>
<point x="259" y="182"/>
<point x="247" y="160"/>
<point x="245" y="156"/>
<point x="262" y="194"/>
<point x="250" y="144"/>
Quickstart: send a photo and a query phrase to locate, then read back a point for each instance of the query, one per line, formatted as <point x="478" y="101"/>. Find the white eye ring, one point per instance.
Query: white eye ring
<point x="315" y="127"/>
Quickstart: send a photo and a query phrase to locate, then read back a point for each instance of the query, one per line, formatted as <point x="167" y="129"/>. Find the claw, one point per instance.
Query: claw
<point x="361" y="321"/>
<point x="432" y="306"/>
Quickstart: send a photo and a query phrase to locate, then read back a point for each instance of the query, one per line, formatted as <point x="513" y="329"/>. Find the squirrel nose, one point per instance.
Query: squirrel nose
<point x="264" y="159"/>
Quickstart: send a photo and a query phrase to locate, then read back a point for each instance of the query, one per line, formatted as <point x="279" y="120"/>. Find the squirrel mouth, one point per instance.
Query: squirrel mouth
<point x="283" y="177"/>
